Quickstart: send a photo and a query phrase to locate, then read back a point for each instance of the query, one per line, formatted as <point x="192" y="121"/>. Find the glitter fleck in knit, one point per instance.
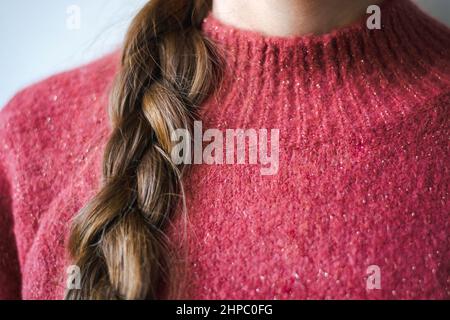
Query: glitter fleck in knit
<point x="363" y="177"/>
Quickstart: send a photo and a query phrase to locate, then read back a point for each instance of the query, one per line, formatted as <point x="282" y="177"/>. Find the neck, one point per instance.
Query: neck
<point x="290" y="17"/>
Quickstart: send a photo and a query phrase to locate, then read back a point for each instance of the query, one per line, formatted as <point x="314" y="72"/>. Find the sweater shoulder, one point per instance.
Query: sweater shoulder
<point x="46" y="127"/>
<point x="60" y="104"/>
<point x="55" y="96"/>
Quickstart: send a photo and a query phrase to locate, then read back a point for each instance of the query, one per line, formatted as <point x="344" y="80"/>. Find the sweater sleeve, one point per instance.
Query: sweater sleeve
<point x="10" y="278"/>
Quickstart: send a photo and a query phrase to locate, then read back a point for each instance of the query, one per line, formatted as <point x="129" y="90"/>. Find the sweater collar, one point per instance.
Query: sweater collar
<point x="353" y="80"/>
<point x="408" y="37"/>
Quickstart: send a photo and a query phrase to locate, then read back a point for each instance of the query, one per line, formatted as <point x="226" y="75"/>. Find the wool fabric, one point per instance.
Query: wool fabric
<point x="361" y="195"/>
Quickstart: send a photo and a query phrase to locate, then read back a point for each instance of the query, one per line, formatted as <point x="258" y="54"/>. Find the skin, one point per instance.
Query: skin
<point x="290" y="17"/>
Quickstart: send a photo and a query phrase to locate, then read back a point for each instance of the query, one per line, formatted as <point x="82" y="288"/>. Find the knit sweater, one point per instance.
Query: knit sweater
<point x="358" y="209"/>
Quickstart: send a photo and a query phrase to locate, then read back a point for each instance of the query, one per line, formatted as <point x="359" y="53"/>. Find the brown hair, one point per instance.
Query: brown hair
<point x="168" y="68"/>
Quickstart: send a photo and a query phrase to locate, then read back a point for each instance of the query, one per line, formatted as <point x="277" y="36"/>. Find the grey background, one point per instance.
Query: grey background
<point x="36" y="42"/>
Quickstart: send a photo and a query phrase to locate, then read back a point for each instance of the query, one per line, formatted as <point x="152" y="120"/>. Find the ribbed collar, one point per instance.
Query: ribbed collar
<point x="407" y="37"/>
<point x="346" y="84"/>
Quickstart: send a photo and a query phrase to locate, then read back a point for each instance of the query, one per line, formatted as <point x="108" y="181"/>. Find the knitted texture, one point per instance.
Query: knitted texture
<point x="363" y="173"/>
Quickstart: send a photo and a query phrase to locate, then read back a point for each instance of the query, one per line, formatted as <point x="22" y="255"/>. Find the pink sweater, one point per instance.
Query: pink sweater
<point x="361" y="194"/>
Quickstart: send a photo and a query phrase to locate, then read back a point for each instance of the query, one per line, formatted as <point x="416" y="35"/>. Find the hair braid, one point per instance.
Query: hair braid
<point x="168" y="68"/>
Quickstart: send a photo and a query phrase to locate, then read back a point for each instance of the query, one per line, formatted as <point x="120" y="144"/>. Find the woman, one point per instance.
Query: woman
<point x="357" y="208"/>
